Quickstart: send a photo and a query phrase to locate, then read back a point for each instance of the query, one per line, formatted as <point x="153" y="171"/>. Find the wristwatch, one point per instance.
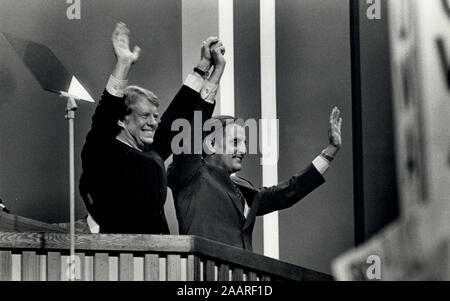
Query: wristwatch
<point x="326" y="156"/>
<point x="201" y="72"/>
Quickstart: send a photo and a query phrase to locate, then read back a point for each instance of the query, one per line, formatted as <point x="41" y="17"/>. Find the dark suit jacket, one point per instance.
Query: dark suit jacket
<point x="128" y="188"/>
<point x="207" y="205"/>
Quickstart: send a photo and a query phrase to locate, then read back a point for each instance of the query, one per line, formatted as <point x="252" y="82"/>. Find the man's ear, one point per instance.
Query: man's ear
<point x="209" y="145"/>
<point x="121" y="123"/>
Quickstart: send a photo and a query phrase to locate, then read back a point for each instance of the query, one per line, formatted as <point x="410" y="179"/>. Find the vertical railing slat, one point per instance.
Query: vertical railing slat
<point x="16" y="260"/>
<point x="30" y="267"/>
<point x="113" y="268"/>
<point x="151" y="267"/>
<point x="265" y="278"/>
<point x="252" y="276"/>
<point x="173" y="267"/>
<point x="138" y="274"/>
<point x="208" y="271"/>
<point x="82" y="267"/>
<point x="42" y="259"/>
<point x="5" y="266"/>
<point x="89" y="268"/>
<point x="101" y="267"/>
<point x="54" y="266"/>
<point x="224" y="272"/>
<point x="238" y="274"/>
<point x="163" y="268"/>
<point x="126" y="267"/>
<point x="193" y="268"/>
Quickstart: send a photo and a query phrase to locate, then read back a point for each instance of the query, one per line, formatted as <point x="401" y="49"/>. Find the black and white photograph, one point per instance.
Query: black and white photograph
<point x="240" y="142"/>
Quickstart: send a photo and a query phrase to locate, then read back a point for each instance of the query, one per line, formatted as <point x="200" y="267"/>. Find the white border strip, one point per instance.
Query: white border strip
<point x="226" y="35"/>
<point x="269" y="111"/>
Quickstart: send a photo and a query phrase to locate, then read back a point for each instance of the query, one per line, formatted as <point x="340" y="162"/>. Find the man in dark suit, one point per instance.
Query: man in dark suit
<point x="211" y="202"/>
<point x="124" y="181"/>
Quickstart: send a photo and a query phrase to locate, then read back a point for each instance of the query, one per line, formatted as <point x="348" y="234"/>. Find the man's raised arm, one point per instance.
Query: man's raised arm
<point x="186" y="165"/>
<point x="107" y="113"/>
<point x="287" y="193"/>
<point x="104" y="126"/>
<point x="197" y="90"/>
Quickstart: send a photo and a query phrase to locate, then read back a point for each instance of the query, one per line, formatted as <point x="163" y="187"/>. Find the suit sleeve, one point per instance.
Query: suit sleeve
<point x="103" y="130"/>
<point x="104" y="122"/>
<point x="288" y="193"/>
<point x="182" y="107"/>
<point x="186" y="165"/>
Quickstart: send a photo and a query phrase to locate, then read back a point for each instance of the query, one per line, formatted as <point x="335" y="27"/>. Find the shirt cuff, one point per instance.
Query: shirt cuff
<point x="206" y="89"/>
<point x="321" y="164"/>
<point x="194" y="81"/>
<point x="116" y="87"/>
<point x="93" y="226"/>
<point x="209" y="92"/>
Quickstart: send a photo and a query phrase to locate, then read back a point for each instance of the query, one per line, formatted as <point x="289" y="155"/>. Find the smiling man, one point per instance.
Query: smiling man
<point x="212" y="202"/>
<point x="140" y="118"/>
<point x="124" y="181"/>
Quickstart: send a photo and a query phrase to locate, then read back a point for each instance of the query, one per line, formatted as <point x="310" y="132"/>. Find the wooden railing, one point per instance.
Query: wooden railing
<point x="44" y="256"/>
<point x="15" y="223"/>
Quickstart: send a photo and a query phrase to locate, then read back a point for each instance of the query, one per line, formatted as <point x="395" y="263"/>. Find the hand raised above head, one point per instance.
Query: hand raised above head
<point x="205" y="54"/>
<point x="334" y="135"/>
<point x="219" y="63"/>
<point x="217" y="54"/>
<point x="334" y="131"/>
<point x="121" y="41"/>
<point x="207" y="45"/>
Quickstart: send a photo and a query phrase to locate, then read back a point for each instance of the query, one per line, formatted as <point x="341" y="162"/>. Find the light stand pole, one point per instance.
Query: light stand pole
<point x="70" y="116"/>
<point x="51" y="74"/>
<point x="45" y="67"/>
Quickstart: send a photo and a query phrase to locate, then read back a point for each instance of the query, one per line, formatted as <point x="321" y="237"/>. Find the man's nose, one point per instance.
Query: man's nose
<point x="152" y="122"/>
<point x="242" y="149"/>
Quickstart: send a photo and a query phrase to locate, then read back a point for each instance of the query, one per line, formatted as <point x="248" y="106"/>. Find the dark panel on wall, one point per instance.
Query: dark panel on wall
<point x="248" y="88"/>
<point x="378" y="152"/>
<point x="33" y="136"/>
<point x="313" y="75"/>
<point x="358" y="179"/>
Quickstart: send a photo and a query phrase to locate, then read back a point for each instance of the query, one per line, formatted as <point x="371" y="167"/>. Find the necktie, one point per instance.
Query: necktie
<point x="241" y="197"/>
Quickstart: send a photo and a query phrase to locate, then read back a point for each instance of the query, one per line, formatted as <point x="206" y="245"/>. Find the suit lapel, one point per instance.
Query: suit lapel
<point x="236" y="202"/>
<point x="225" y="184"/>
<point x="251" y="216"/>
<point x="250" y="192"/>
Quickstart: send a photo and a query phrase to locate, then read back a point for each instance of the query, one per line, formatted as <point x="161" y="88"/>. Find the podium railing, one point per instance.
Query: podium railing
<point x="101" y="257"/>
